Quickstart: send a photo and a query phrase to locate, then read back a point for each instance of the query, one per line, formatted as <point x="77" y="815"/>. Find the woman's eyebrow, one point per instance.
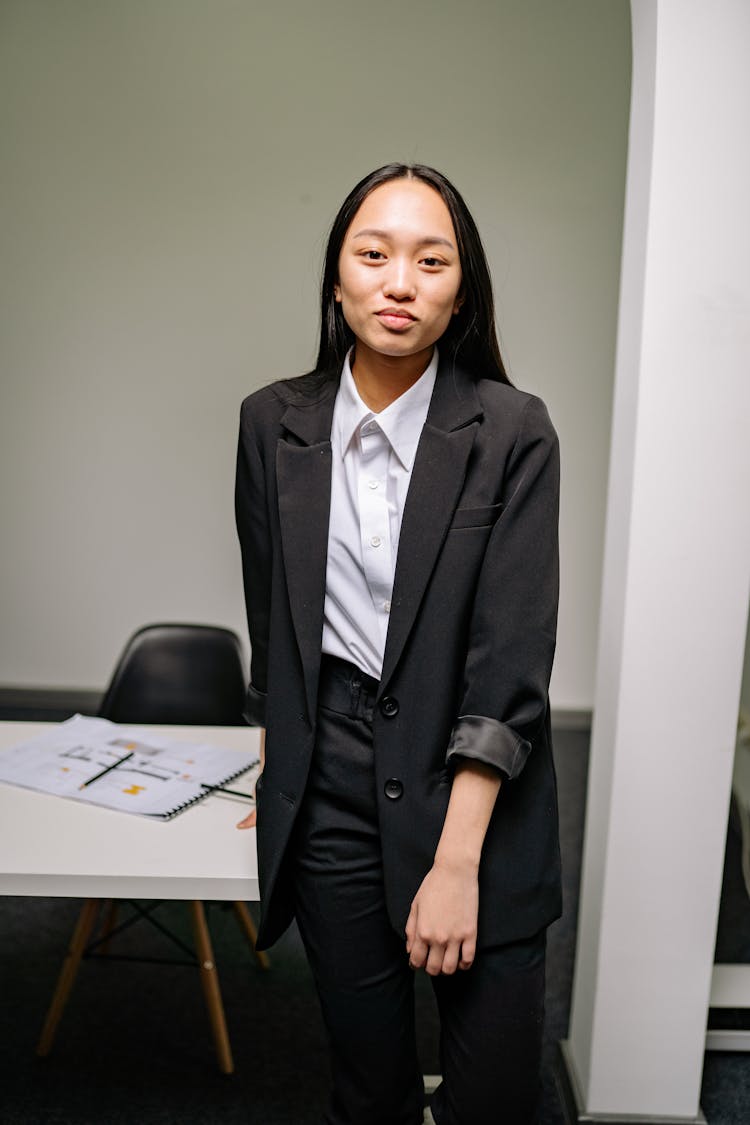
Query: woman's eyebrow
<point x="429" y="240"/>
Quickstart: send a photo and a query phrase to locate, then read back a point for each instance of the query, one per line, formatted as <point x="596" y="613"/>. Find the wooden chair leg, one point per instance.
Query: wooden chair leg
<point x="211" y="990"/>
<point x="81" y="937"/>
<point x="248" y="927"/>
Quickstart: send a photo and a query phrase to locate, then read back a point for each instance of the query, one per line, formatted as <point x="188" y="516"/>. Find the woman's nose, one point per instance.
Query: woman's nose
<point x="400" y="283"/>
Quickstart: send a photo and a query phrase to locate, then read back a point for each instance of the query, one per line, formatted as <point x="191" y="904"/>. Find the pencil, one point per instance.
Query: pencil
<point x="107" y="770"/>
<point x="221" y="789"/>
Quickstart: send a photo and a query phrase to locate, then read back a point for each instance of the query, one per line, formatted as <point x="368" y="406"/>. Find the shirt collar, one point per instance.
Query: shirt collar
<point x="401" y="422"/>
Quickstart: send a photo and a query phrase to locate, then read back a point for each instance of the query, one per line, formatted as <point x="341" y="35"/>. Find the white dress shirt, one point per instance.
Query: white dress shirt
<point x="373" y="455"/>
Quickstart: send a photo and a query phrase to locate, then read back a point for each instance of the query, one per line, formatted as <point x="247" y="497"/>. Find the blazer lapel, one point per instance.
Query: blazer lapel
<point x="436" y="483"/>
<point x="303" y="472"/>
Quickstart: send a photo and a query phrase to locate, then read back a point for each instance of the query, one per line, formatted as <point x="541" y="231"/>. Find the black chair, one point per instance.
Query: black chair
<point x="167" y="674"/>
<point x="188" y="675"/>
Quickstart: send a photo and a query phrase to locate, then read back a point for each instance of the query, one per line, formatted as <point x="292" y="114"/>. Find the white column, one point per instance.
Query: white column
<point x="676" y="571"/>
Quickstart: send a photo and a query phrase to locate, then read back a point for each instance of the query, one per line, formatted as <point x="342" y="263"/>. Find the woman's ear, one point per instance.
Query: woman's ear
<point x="337" y="292"/>
<point x="458" y="303"/>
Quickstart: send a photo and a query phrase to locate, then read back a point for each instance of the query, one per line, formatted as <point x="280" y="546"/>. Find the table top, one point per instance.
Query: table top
<point x="57" y="847"/>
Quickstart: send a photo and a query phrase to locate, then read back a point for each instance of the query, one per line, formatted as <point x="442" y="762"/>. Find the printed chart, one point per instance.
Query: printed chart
<point x="129" y="769"/>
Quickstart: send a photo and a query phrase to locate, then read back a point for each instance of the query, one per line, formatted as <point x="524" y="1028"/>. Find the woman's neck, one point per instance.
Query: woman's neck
<point x="381" y="379"/>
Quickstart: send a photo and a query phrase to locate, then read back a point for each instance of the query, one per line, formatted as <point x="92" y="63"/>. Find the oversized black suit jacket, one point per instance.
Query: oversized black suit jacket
<point x="470" y="641"/>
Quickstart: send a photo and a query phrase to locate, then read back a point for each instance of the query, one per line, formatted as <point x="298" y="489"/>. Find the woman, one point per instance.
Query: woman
<point x="397" y="512"/>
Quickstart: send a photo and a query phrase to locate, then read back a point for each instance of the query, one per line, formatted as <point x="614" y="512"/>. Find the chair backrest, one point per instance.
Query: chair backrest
<point x="182" y="674"/>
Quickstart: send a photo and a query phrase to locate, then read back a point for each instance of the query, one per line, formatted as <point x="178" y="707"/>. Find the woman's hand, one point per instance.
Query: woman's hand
<point x="250" y="820"/>
<point x="441" y="930"/>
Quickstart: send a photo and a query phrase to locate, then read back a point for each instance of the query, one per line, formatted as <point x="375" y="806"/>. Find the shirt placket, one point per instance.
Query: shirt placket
<point x="374" y="518"/>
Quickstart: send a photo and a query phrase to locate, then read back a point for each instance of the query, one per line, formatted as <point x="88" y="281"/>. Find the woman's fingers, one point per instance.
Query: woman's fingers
<point x="468" y="952"/>
<point x="443" y="957"/>
<point x="250" y="820"/>
<point x="441" y="929"/>
<point x="418" y="953"/>
<point x="451" y="957"/>
<point x="440" y="957"/>
<point x="434" y="955"/>
<point x="434" y="964"/>
<point x="416" y="947"/>
<point x="411" y="928"/>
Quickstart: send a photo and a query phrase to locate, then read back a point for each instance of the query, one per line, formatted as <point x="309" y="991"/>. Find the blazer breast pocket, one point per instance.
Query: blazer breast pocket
<point x="464" y="518"/>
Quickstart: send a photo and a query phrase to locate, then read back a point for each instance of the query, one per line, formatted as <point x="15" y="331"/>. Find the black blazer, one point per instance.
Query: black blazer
<point x="470" y="641"/>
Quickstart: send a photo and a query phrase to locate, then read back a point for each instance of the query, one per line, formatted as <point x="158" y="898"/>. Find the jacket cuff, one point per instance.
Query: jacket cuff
<point x="487" y="740"/>
<point x="255" y="707"/>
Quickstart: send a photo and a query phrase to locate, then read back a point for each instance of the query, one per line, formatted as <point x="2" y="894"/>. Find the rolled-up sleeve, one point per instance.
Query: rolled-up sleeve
<point x="511" y="643"/>
<point x="251" y="512"/>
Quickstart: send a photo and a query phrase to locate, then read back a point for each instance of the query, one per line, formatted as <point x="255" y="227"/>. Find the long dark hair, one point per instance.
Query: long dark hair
<point x="471" y="338"/>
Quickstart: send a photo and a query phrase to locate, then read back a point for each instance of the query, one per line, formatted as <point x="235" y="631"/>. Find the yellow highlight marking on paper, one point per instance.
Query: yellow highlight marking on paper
<point x="134" y="790"/>
<point x="130" y="745"/>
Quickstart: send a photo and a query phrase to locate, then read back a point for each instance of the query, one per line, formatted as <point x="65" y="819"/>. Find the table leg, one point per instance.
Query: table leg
<point x="211" y="990"/>
<point x="79" y="941"/>
<point x="248" y="926"/>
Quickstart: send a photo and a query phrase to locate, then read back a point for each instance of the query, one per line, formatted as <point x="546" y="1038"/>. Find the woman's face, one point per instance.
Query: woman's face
<point x="399" y="270"/>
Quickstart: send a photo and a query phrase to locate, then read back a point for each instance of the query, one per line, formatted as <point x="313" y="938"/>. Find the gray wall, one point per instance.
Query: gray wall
<point x="169" y="170"/>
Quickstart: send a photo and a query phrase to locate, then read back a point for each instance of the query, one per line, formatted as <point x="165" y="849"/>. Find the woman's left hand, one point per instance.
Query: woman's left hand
<point x="251" y="819"/>
<point x="248" y="821"/>
<point x="441" y="930"/>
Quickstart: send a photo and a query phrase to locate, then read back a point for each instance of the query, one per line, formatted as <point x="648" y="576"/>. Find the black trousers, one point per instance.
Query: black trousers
<point x="491" y="1015"/>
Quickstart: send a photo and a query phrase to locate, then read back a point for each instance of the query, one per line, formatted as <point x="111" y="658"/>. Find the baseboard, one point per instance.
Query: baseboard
<point x="572" y="718"/>
<point x="571" y="1100"/>
<point x="47" y="704"/>
<point x="54" y="704"/>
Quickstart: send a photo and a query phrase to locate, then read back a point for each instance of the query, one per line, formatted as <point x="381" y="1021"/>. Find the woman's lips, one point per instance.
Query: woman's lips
<point x="395" y="318"/>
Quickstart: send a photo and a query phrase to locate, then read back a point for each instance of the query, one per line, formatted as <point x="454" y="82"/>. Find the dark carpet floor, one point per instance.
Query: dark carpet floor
<point x="134" y="1046"/>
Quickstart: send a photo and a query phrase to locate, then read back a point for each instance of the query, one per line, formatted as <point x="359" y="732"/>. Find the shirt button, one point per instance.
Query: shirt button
<point x="372" y="484"/>
<point x="393" y="788"/>
<point x="375" y="541"/>
<point x="387" y="607"/>
<point x="389" y="706"/>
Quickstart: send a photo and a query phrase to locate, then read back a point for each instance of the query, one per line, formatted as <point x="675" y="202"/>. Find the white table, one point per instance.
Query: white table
<point x="56" y="847"/>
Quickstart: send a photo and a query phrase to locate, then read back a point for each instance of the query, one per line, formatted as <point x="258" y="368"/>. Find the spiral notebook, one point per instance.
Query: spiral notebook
<point x="131" y="769"/>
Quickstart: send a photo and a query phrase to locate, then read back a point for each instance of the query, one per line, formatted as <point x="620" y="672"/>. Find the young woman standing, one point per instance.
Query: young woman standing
<point x="397" y="512"/>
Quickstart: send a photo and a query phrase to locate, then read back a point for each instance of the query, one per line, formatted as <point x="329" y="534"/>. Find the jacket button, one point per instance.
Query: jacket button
<point x="389" y="706"/>
<point x="393" y="788"/>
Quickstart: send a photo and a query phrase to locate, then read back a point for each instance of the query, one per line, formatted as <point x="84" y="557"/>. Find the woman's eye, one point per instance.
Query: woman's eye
<point x="432" y="262"/>
<point x="373" y="255"/>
